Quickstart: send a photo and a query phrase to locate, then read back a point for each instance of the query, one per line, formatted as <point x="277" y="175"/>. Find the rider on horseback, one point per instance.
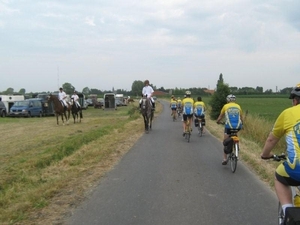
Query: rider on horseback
<point x="62" y="97"/>
<point x="75" y="99"/>
<point x="148" y="91"/>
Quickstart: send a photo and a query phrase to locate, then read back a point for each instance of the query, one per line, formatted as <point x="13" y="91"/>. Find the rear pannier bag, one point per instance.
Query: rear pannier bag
<point x="292" y="216"/>
<point x="228" y="144"/>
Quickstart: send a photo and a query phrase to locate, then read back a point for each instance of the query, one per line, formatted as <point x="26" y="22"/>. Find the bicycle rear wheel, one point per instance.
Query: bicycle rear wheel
<point x="233" y="162"/>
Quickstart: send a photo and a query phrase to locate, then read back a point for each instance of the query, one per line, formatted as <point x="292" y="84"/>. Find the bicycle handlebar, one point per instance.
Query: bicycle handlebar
<point x="276" y="157"/>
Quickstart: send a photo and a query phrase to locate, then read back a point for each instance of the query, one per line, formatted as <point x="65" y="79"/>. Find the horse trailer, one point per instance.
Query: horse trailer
<point x="110" y="101"/>
<point x="9" y="100"/>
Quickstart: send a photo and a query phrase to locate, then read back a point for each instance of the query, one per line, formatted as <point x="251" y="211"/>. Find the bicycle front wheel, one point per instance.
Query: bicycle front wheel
<point x="280" y="214"/>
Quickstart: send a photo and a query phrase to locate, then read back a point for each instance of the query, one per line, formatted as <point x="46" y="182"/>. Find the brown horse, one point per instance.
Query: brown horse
<point x="130" y="100"/>
<point x="59" y="109"/>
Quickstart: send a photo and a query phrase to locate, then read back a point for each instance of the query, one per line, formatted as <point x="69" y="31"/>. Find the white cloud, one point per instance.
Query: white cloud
<point x="90" y="21"/>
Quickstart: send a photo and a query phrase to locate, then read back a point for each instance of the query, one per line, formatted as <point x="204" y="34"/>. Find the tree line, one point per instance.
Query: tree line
<point x="137" y="86"/>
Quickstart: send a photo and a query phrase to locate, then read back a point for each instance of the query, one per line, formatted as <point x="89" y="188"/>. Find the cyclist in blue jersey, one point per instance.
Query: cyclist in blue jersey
<point x="187" y="110"/>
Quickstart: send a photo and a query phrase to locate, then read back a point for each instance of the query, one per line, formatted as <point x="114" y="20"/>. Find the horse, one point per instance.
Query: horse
<point x="130" y="100"/>
<point x="147" y="112"/>
<point x="75" y="111"/>
<point x="59" y="108"/>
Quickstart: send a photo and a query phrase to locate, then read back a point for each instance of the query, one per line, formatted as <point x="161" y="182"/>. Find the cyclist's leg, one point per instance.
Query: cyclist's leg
<point x="184" y="118"/>
<point x="226" y="135"/>
<point x="282" y="187"/>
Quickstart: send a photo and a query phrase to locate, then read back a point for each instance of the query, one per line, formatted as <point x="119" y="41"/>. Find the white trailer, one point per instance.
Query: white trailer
<point x="9" y="100"/>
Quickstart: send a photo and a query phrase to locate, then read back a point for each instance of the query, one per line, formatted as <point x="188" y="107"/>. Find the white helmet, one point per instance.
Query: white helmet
<point x="230" y="98"/>
<point x="188" y="93"/>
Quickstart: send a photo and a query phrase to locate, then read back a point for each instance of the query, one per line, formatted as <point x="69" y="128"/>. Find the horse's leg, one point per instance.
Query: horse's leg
<point x="56" y="118"/>
<point x="152" y="115"/>
<point x="145" y="123"/>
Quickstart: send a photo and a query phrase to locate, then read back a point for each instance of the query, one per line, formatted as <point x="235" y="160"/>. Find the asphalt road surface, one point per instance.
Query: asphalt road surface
<point x="164" y="180"/>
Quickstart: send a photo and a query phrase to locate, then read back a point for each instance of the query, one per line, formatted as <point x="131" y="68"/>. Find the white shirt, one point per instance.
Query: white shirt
<point x="75" y="97"/>
<point x="147" y="90"/>
<point x="62" y="95"/>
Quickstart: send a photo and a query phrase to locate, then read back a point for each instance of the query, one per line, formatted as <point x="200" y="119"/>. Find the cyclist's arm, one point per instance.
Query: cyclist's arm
<point x="269" y="145"/>
<point x="220" y="117"/>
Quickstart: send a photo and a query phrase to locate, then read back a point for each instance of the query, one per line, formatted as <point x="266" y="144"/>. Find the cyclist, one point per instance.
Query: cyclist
<point x="173" y="105"/>
<point x="199" y="111"/>
<point x="148" y="91"/>
<point x="287" y="173"/>
<point x="234" y="120"/>
<point x="188" y="109"/>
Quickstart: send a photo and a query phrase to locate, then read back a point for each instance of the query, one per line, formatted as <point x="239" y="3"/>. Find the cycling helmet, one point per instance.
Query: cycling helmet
<point x="295" y="92"/>
<point x="188" y="93"/>
<point x="230" y="98"/>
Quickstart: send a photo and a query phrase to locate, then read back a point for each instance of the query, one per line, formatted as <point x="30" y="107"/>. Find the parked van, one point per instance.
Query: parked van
<point x="3" y="111"/>
<point x="27" y="108"/>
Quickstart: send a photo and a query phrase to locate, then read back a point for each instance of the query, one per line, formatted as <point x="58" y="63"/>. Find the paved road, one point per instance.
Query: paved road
<point x="163" y="180"/>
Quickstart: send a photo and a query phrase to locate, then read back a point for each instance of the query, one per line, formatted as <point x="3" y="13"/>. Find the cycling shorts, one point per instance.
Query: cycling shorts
<point x="185" y="116"/>
<point x="227" y="130"/>
<point x="287" y="176"/>
<point x="173" y="108"/>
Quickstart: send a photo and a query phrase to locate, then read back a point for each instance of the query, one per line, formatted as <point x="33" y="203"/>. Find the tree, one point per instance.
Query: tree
<point x="68" y="88"/>
<point x="9" y="91"/>
<point x="137" y="87"/>
<point x="218" y="99"/>
<point x="22" y="91"/>
<point x="86" y="91"/>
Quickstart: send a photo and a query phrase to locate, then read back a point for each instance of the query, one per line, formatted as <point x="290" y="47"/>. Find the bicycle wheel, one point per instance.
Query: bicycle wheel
<point x="280" y="214"/>
<point x="200" y="129"/>
<point x="233" y="162"/>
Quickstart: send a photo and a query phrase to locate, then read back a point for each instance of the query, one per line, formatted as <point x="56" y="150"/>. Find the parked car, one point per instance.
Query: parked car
<point x="3" y="112"/>
<point x="89" y="102"/>
<point x="27" y="108"/>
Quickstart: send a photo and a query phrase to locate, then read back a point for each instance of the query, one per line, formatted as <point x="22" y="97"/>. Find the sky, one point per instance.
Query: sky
<point x="107" y="44"/>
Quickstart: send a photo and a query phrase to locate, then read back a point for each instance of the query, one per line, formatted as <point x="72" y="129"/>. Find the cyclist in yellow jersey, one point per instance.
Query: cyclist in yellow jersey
<point x="188" y="109"/>
<point x="199" y="110"/>
<point x="173" y="105"/>
<point x="234" y="120"/>
<point x="287" y="173"/>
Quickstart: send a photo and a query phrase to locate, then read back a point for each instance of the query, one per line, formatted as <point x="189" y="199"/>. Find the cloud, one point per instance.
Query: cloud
<point x="90" y="21"/>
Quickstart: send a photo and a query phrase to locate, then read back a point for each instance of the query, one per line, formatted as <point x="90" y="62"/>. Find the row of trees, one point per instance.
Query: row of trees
<point x="137" y="86"/>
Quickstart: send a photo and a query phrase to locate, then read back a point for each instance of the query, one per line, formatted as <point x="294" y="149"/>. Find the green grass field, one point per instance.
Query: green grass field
<point x="264" y="107"/>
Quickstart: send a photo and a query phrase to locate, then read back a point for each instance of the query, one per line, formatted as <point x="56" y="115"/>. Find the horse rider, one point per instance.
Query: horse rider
<point x="62" y="96"/>
<point x="148" y="91"/>
<point x="76" y="99"/>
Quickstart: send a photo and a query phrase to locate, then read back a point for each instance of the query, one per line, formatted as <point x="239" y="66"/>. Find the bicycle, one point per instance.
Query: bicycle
<point x="178" y="111"/>
<point x="232" y="148"/>
<point x="296" y="198"/>
<point x="200" y="126"/>
<point x="233" y="154"/>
